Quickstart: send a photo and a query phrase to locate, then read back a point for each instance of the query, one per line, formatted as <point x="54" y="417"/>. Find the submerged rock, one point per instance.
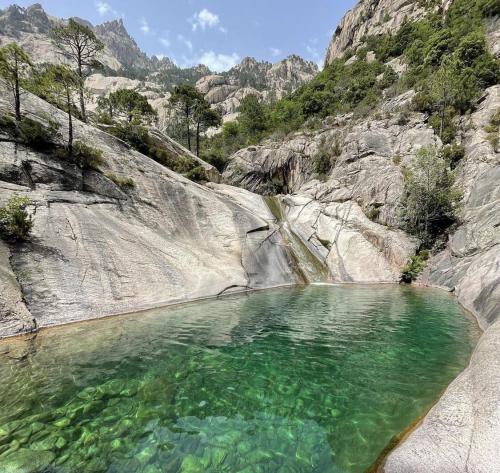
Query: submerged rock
<point x="25" y="461"/>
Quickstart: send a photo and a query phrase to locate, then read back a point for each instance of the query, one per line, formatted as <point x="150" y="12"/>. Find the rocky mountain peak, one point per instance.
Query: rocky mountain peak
<point x="374" y="17"/>
<point x="15" y="19"/>
<point x="114" y="26"/>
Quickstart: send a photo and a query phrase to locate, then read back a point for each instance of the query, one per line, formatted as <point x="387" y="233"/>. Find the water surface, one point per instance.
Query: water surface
<point x="314" y="379"/>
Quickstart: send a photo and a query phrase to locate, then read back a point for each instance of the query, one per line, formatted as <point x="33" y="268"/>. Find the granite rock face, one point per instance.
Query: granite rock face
<point x="98" y="249"/>
<point x="462" y="432"/>
<point x="269" y="82"/>
<point x="374" y="17"/>
<point x="350" y="216"/>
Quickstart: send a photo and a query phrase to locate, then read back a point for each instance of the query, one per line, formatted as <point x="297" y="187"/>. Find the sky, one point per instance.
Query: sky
<point x="217" y="33"/>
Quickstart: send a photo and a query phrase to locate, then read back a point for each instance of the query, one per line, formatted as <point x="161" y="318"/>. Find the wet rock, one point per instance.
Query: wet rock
<point x="25" y="461"/>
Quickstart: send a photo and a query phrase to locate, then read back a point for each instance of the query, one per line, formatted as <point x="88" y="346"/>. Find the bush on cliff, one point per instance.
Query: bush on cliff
<point x="15" y="221"/>
<point x="431" y="200"/>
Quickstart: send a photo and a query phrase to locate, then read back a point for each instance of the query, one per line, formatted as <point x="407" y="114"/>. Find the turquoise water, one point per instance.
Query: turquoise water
<point x="315" y="379"/>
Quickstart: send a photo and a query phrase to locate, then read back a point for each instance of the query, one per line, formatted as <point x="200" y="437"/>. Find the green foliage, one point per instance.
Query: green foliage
<point x="141" y="140"/>
<point x="32" y="133"/>
<point x="253" y="120"/>
<point x="322" y="162"/>
<point x="493" y="130"/>
<point x="215" y="159"/>
<point x="86" y="156"/>
<point x="453" y="154"/>
<point x="124" y="182"/>
<point x="431" y="199"/>
<point x="415" y="266"/>
<point x="197" y="174"/>
<point x="15" y="222"/>
<point x="38" y="136"/>
<point x="14" y="64"/>
<point x="125" y="104"/>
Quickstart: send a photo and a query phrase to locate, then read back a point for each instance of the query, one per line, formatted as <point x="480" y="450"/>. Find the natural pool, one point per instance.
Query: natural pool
<point x="314" y="379"/>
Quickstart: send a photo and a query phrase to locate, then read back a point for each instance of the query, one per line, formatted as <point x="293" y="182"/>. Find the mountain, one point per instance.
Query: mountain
<point x="375" y="17"/>
<point x="269" y="82"/>
<point x="127" y="66"/>
<point x="30" y="27"/>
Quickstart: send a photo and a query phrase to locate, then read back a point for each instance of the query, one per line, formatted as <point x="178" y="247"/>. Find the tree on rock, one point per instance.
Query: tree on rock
<point x="185" y="98"/>
<point x="431" y="198"/>
<point x="253" y="118"/>
<point x="205" y="117"/>
<point x="80" y="44"/>
<point x="63" y="83"/>
<point x="14" y="64"/>
<point x="128" y="104"/>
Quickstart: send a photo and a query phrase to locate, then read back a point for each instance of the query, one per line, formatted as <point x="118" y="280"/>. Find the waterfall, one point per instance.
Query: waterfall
<point x="307" y="266"/>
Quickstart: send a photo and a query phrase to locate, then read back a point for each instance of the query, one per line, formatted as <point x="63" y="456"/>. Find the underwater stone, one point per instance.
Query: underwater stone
<point x="26" y="461"/>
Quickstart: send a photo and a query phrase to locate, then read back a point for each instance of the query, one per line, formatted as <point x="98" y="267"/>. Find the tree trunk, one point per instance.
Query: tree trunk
<point x="81" y="89"/>
<point x="198" y="139"/>
<point x="188" y="128"/>
<point x="70" y="123"/>
<point x="17" y="91"/>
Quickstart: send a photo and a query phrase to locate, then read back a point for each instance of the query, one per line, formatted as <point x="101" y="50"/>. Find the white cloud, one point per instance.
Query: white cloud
<point x="182" y="39"/>
<point x="222" y="29"/>
<point x="165" y="42"/>
<point x="314" y="53"/>
<point x="145" y="26"/>
<point x="218" y="62"/>
<point x="204" y="19"/>
<point x="104" y="8"/>
<point x="275" y="52"/>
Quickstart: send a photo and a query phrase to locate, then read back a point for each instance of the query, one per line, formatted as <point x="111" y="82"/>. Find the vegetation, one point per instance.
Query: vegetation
<point x="415" y="266"/>
<point x="124" y="182"/>
<point x="453" y="154"/>
<point x="86" y="156"/>
<point x="125" y="104"/>
<point x="78" y="43"/>
<point x="62" y="82"/>
<point x="14" y="66"/>
<point x="493" y="130"/>
<point x="191" y="108"/>
<point x="141" y="140"/>
<point x="431" y="199"/>
<point x="31" y="132"/>
<point x="15" y="222"/>
<point x="448" y="65"/>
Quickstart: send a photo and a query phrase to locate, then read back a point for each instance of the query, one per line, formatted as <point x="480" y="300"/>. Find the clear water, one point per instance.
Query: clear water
<point x="314" y="379"/>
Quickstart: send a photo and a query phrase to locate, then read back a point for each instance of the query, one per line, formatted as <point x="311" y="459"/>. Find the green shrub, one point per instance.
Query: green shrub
<point x="15" y="222"/>
<point x="322" y="163"/>
<point x="197" y="174"/>
<point x="216" y="159"/>
<point x="87" y="157"/>
<point x="124" y="182"/>
<point x="453" y="153"/>
<point x="373" y="213"/>
<point x="493" y="130"/>
<point x="31" y="132"/>
<point x="431" y="199"/>
<point x="414" y="267"/>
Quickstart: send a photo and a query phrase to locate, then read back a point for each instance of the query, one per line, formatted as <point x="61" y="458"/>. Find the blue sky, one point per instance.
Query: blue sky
<point x="218" y="33"/>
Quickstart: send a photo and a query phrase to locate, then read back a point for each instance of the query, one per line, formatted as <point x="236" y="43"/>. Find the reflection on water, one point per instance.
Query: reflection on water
<point x="314" y="379"/>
